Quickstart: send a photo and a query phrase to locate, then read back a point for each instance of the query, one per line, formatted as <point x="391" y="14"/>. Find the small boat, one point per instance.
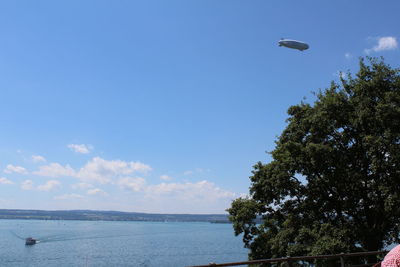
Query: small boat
<point x="30" y="241"/>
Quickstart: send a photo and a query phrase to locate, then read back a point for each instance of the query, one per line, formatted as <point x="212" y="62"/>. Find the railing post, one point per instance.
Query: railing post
<point x="289" y="263"/>
<point x="342" y="260"/>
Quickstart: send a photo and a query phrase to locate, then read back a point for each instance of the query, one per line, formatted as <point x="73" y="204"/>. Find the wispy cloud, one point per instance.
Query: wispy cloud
<point x="15" y="169"/>
<point x="82" y="186"/>
<point x="133" y="184"/>
<point x="4" y="180"/>
<point x="165" y="177"/>
<point x="82" y="148"/>
<point x="27" y="185"/>
<point x="55" y="170"/>
<point x="96" y="191"/>
<point x="201" y="190"/>
<point x="185" y="191"/>
<point x="37" y="158"/>
<point x="197" y="197"/>
<point x="197" y="170"/>
<point x="68" y="197"/>
<point x="383" y="43"/>
<point x="49" y="185"/>
<point x="348" y="56"/>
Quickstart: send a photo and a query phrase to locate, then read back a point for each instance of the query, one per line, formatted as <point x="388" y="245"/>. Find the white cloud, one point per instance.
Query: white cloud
<point x="165" y="177"/>
<point x="82" y="186"/>
<point x="201" y="191"/>
<point x="82" y="148"/>
<point x="384" y="43"/>
<point x="37" y="158"/>
<point x="4" y="180"/>
<point x="189" y="191"/>
<point x="104" y="171"/>
<point x="49" y="185"/>
<point x="27" y="185"/>
<point x="134" y="184"/>
<point x="55" y="170"/>
<point x="197" y="197"/>
<point x="96" y="170"/>
<point x="17" y="169"/>
<point x="348" y="56"/>
<point x="96" y="191"/>
<point x="197" y="170"/>
<point x="68" y="196"/>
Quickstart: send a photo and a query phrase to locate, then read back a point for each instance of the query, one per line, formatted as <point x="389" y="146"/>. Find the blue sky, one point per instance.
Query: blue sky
<point x="163" y="106"/>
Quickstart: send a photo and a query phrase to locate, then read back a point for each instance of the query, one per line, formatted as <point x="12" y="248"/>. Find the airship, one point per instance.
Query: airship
<point x="293" y="44"/>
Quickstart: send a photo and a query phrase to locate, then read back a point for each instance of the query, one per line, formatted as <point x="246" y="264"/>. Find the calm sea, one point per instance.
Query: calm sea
<point x="100" y="243"/>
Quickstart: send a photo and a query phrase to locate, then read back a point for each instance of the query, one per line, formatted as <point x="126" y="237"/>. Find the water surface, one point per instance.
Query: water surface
<point x="102" y="243"/>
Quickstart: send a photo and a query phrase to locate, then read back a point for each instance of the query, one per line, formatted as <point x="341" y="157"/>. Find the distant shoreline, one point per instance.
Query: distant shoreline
<point x="94" y="215"/>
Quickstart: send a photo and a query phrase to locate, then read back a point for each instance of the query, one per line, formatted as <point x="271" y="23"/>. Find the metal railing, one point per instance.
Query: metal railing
<point x="288" y="260"/>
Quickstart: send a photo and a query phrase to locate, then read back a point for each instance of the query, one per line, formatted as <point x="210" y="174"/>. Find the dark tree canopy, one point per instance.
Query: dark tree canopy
<point x="333" y="184"/>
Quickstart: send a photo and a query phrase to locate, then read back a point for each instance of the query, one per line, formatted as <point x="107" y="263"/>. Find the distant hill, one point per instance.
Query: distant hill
<point x="94" y="215"/>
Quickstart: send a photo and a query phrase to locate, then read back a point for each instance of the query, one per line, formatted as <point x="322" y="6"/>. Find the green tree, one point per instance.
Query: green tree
<point x="333" y="184"/>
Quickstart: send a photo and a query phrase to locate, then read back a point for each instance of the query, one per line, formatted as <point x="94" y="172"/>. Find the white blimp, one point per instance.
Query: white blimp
<point x="293" y="44"/>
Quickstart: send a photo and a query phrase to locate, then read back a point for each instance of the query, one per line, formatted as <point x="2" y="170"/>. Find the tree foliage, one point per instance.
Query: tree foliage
<point x="333" y="184"/>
